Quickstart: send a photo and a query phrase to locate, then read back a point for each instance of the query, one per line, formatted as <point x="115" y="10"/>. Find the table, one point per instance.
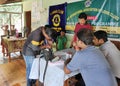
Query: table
<point x="11" y="45"/>
<point x="55" y="75"/>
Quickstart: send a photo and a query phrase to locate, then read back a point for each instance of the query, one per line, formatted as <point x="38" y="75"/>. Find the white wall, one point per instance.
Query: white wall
<point x="47" y="3"/>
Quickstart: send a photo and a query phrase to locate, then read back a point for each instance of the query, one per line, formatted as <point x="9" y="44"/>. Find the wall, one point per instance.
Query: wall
<point x="27" y="6"/>
<point x="47" y="3"/>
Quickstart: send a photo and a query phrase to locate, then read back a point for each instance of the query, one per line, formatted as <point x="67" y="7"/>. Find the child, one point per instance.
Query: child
<point x="82" y="23"/>
<point x="61" y="41"/>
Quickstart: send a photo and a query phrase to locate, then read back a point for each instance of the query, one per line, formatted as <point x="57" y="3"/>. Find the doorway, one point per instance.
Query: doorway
<point x="28" y="22"/>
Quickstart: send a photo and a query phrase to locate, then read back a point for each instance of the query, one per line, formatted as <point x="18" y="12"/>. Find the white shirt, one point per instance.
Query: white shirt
<point x="112" y="54"/>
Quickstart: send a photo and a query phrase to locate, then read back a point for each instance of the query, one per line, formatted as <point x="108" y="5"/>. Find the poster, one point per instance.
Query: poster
<point x="57" y="16"/>
<point x="102" y="15"/>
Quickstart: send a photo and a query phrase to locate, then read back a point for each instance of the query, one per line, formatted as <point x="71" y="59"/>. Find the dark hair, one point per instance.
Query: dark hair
<point x="86" y="36"/>
<point x="48" y="26"/>
<point x="83" y="15"/>
<point x="51" y="32"/>
<point x="100" y="34"/>
<point x="63" y="30"/>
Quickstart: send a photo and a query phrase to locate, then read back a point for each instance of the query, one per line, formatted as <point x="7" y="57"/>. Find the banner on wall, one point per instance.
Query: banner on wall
<point x="102" y="14"/>
<point x="57" y="16"/>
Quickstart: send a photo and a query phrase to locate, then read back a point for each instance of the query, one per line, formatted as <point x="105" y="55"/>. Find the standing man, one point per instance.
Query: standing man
<point x="34" y="44"/>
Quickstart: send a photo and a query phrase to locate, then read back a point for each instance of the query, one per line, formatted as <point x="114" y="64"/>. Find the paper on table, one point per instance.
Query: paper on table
<point x="60" y="62"/>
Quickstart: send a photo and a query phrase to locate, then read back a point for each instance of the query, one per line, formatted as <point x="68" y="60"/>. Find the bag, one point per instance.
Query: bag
<point x="48" y="54"/>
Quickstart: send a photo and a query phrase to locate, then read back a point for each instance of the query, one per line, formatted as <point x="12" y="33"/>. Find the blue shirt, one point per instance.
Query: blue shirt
<point x="93" y="67"/>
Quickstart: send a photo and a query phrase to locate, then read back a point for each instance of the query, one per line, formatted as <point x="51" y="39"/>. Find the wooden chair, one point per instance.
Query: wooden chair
<point x="117" y="44"/>
<point x="70" y="81"/>
<point x="4" y="50"/>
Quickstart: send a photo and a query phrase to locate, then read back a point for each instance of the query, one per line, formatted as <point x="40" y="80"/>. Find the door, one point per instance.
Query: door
<point x="28" y="22"/>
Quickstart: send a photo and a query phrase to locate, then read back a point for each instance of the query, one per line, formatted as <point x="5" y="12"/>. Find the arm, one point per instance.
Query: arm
<point x="45" y="46"/>
<point x="65" y="42"/>
<point x="74" y="36"/>
<point x="72" y="64"/>
<point x="57" y="43"/>
<point x="71" y="44"/>
<point x="66" y="70"/>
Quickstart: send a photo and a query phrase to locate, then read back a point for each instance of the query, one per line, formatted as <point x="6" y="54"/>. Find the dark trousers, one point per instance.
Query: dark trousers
<point x="80" y="80"/>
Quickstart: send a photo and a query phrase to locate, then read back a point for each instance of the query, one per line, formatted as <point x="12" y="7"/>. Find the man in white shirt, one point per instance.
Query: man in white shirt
<point x="110" y="51"/>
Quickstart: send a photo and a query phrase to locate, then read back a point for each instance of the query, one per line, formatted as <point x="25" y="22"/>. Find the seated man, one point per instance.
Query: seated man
<point x="110" y="51"/>
<point x="90" y="62"/>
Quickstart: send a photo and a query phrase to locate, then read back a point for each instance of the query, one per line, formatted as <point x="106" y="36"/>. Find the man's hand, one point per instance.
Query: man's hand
<point x="67" y="61"/>
<point x="48" y="46"/>
<point x="45" y="46"/>
<point x="66" y="70"/>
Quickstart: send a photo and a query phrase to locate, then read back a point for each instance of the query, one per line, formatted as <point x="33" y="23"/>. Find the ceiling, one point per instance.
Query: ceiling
<point x="9" y="1"/>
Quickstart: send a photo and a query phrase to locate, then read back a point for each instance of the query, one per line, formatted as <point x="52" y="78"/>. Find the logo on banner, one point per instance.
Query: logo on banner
<point x="56" y="20"/>
<point x="88" y="3"/>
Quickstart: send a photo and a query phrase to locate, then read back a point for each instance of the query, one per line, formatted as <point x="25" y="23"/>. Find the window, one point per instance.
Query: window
<point x="11" y="15"/>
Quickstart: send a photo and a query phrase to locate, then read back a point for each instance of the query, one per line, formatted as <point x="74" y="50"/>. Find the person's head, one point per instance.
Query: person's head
<point x="62" y="32"/>
<point x="82" y="18"/>
<point x="84" y="37"/>
<point x="50" y="34"/>
<point x="100" y="37"/>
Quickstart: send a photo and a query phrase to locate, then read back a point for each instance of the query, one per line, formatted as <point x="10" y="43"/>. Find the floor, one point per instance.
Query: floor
<point x="12" y="73"/>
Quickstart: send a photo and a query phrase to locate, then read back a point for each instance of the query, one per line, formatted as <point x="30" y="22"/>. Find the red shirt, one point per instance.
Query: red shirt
<point x="78" y="27"/>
